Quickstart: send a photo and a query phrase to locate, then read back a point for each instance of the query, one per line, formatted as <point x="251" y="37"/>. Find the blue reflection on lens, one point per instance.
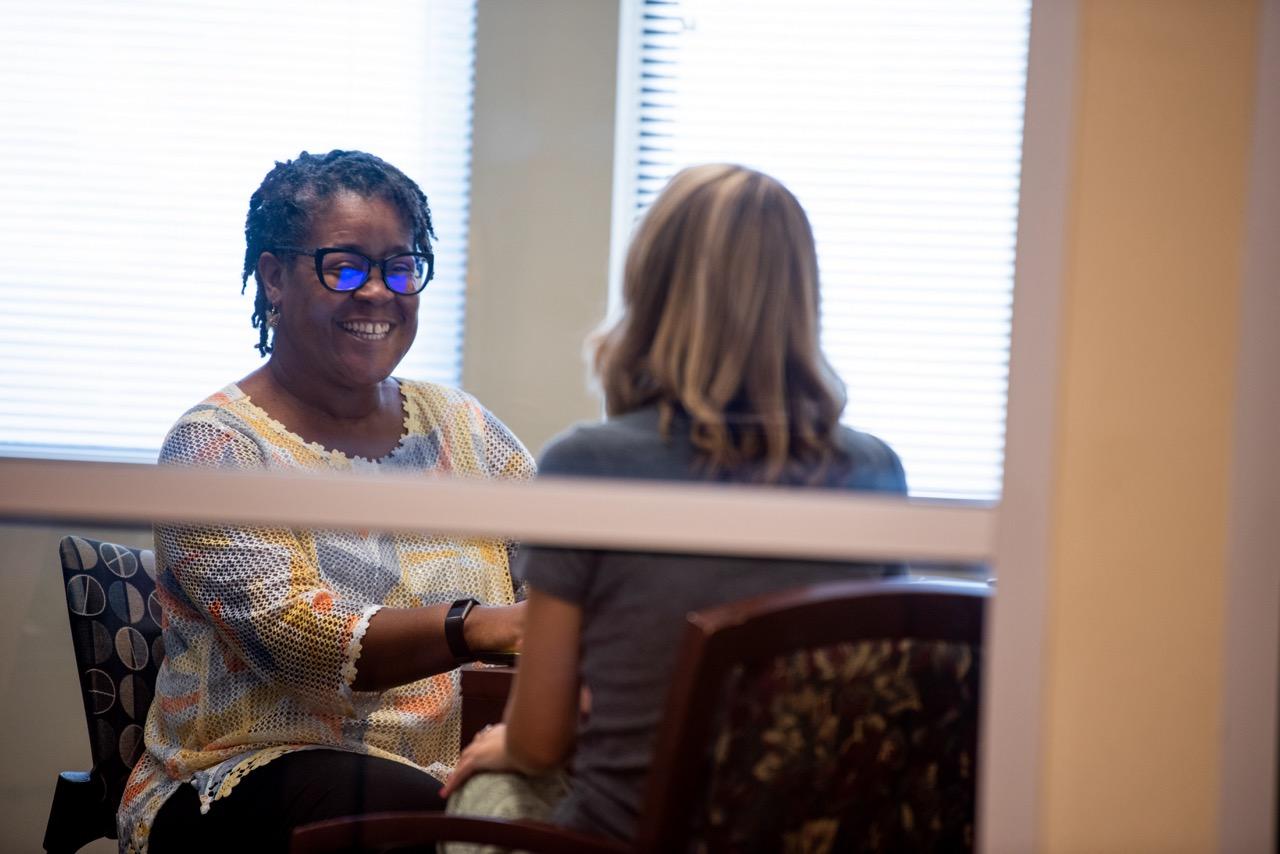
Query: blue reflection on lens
<point x="349" y="278"/>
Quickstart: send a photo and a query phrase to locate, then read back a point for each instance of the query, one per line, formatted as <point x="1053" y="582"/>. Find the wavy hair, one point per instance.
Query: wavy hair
<point x="720" y="322"/>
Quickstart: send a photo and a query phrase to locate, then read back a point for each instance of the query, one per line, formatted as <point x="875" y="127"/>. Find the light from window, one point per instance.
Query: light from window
<point x="133" y="135"/>
<point x="898" y="125"/>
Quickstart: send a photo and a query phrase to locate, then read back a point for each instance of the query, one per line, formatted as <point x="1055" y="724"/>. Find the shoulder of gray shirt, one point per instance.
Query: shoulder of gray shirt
<point x="629" y="446"/>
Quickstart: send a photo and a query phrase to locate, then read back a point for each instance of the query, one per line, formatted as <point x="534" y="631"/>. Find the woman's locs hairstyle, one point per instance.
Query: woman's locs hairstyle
<point x="281" y="210"/>
<point x="720" y="323"/>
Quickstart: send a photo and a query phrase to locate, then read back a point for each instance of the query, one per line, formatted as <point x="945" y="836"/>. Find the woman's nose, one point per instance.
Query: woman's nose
<point x="374" y="289"/>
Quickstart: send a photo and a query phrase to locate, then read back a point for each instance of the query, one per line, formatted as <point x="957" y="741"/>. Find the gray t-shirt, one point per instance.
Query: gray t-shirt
<point x="634" y="605"/>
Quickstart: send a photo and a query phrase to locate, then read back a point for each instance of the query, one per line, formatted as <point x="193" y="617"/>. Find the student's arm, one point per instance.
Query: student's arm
<point x="542" y="711"/>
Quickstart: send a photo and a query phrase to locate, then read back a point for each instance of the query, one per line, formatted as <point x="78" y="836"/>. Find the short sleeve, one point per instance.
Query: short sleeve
<point x="578" y="452"/>
<point x="890" y="476"/>
<point x="564" y="573"/>
<point x="875" y="467"/>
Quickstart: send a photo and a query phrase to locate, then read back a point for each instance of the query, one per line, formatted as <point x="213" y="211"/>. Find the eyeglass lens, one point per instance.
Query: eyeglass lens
<point x="346" y="271"/>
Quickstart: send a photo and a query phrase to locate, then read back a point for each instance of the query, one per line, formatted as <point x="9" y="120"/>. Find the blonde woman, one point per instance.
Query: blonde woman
<point x="713" y="373"/>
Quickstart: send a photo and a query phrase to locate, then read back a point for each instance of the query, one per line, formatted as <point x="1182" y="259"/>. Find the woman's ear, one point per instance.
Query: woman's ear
<point x="270" y="273"/>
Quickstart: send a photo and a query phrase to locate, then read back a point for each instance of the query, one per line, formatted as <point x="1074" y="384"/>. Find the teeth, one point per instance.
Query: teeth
<point x="366" y="330"/>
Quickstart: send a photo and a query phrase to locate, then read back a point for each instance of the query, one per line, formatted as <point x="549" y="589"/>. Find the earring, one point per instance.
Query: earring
<point x="273" y="317"/>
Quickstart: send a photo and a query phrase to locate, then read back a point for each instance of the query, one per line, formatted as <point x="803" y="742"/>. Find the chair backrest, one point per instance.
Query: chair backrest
<point x="115" y="629"/>
<point x="838" y="717"/>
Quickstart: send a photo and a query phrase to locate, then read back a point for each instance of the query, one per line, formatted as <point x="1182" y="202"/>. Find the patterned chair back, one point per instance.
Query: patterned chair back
<point x="842" y="717"/>
<point x="115" y="629"/>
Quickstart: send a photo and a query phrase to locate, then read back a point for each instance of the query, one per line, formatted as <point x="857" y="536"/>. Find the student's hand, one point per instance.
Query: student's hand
<point x="487" y="752"/>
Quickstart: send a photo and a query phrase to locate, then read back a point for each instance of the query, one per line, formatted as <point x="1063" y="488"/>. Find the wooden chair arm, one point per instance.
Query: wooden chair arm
<point x="408" y="831"/>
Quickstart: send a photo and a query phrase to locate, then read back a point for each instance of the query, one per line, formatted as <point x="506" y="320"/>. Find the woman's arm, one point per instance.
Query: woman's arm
<point x="405" y="644"/>
<point x="542" y="711"/>
<point x="261" y="590"/>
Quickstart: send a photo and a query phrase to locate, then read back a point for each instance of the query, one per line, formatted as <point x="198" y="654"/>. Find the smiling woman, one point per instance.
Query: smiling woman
<point x="327" y="657"/>
<point x="333" y="350"/>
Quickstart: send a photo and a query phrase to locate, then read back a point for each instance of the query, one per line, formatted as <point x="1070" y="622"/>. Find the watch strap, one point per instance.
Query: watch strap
<point x="453" y="629"/>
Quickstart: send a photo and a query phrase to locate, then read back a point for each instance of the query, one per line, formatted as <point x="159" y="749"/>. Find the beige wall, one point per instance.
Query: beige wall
<point x="1137" y="570"/>
<point x="1251" y="660"/>
<point x="541" y="196"/>
<point x="42" y="719"/>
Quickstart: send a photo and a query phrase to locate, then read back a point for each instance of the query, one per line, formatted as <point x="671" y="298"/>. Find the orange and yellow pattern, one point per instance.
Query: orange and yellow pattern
<point x="263" y="625"/>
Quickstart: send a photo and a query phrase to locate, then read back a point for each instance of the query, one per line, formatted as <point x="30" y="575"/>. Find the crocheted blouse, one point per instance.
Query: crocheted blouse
<point x="262" y="626"/>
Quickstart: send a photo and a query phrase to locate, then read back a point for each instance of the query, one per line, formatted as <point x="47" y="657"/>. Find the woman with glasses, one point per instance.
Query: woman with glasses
<point x="713" y="373"/>
<point x="312" y="674"/>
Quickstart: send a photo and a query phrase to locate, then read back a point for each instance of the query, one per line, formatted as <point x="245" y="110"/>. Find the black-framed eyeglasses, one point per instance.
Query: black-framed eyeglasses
<point x="344" y="270"/>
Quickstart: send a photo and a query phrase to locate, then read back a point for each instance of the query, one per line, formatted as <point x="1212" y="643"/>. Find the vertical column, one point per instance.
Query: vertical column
<point x="1247" y="798"/>
<point x="1133" y="491"/>
<point x="541" y="198"/>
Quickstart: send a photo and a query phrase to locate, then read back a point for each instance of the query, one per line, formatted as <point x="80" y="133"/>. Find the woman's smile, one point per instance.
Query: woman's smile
<point x="338" y="341"/>
<point x="366" y="330"/>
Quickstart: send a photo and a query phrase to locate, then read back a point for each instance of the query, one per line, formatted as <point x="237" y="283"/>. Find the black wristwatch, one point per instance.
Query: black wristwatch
<point x="453" y="633"/>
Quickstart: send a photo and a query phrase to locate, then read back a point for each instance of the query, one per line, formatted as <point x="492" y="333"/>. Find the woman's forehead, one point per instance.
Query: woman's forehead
<point x="349" y="218"/>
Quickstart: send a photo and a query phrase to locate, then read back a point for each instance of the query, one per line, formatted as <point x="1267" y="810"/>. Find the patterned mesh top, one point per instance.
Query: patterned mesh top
<point x="262" y="626"/>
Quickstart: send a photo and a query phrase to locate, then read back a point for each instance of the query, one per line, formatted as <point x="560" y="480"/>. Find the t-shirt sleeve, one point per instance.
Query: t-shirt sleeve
<point x="890" y="476"/>
<point x="880" y="470"/>
<point x="876" y="467"/>
<point x="564" y="573"/>
<point x="259" y="587"/>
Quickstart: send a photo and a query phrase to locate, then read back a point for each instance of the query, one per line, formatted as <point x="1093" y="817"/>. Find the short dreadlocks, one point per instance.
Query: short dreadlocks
<point x="281" y="209"/>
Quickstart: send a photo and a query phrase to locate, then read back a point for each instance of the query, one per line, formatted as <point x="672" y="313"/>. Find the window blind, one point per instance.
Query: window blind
<point x="133" y="135"/>
<point x="898" y="125"/>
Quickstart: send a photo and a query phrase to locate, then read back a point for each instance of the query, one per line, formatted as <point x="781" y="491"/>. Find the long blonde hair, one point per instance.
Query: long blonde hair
<point x="720" y="321"/>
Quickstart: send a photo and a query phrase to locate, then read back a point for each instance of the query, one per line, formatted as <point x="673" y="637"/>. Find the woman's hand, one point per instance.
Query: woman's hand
<point x="486" y="752"/>
<point x="495" y="628"/>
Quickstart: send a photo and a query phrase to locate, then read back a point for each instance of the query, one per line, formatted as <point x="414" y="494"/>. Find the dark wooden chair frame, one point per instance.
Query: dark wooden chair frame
<point x="715" y="641"/>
